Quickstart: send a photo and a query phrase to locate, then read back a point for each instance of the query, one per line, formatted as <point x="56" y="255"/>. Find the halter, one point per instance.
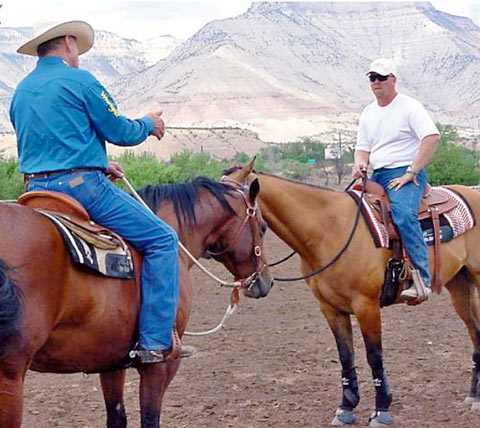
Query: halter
<point x="251" y="218"/>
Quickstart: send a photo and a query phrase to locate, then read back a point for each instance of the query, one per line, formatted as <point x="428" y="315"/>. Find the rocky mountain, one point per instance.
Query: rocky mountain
<point x="111" y="57"/>
<point x="287" y="70"/>
<point x="292" y="69"/>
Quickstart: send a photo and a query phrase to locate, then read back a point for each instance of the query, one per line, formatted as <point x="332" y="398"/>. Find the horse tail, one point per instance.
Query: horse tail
<point x="10" y="308"/>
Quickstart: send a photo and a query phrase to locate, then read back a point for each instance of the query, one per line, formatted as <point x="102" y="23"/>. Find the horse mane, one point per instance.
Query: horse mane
<point x="315" y="186"/>
<point x="184" y="196"/>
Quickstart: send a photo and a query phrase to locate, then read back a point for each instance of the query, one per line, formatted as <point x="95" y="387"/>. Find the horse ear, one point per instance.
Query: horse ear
<point x="248" y="168"/>
<point x="254" y="189"/>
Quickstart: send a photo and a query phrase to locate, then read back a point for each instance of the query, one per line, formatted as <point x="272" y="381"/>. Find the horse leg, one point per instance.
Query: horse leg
<point x="367" y="312"/>
<point x="154" y="380"/>
<point x="465" y="300"/>
<point x="112" y="386"/>
<point x="341" y="327"/>
<point x="11" y="395"/>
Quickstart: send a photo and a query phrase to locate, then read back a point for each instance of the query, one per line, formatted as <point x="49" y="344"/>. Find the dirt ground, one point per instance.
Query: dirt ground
<point x="276" y="365"/>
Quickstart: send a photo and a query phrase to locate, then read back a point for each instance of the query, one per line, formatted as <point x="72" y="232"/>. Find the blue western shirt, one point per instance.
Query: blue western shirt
<point x="63" y="116"/>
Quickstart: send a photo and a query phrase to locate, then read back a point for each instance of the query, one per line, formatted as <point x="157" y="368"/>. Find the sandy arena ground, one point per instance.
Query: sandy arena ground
<point x="276" y="365"/>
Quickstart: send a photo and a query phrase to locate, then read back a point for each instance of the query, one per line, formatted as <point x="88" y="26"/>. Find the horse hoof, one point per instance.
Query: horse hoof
<point x="343" y="417"/>
<point x="380" y="419"/>
<point x="475" y="405"/>
<point x="469" y="400"/>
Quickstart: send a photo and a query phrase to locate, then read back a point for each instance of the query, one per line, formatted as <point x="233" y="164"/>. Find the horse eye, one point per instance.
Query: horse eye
<point x="263" y="229"/>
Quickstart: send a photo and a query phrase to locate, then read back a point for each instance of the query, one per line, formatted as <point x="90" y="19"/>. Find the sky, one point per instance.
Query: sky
<point x="141" y="20"/>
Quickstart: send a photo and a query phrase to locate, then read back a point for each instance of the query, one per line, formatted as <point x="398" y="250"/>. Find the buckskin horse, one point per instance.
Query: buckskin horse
<point x="316" y="222"/>
<point x="58" y="318"/>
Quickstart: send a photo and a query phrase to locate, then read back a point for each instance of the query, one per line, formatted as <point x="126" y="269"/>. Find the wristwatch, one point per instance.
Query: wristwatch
<point x="411" y="171"/>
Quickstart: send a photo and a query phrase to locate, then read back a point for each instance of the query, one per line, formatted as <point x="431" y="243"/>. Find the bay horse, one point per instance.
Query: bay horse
<point x="316" y="223"/>
<point x="56" y="317"/>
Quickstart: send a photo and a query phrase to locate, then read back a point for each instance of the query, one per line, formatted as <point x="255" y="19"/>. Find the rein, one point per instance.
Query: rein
<point x="342" y="250"/>
<point x="294" y="251"/>
<point x="283" y="260"/>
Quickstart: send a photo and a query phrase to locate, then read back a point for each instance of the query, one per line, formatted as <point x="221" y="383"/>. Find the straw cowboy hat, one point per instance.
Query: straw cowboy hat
<point x="44" y="31"/>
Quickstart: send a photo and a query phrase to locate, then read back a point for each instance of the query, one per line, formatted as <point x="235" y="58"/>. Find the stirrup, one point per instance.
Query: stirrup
<point x="418" y="290"/>
<point x="148" y="356"/>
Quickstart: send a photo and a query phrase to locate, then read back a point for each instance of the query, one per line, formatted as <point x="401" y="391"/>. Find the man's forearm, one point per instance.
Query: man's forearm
<point x="361" y="157"/>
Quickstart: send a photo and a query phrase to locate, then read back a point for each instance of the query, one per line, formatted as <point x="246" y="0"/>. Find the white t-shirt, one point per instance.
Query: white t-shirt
<point x="392" y="134"/>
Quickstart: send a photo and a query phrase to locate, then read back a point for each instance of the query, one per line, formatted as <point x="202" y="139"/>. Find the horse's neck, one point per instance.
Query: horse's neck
<point x="296" y="212"/>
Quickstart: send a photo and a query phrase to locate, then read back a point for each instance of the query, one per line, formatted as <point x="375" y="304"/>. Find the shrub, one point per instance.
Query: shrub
<point x="11" y="181"/>
<point x="453" y="164"/>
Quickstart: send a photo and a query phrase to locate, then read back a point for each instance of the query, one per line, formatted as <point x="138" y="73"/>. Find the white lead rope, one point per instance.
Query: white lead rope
<point x="228" y="313"/>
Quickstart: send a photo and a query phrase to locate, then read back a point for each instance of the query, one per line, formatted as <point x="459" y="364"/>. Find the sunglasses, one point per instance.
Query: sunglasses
<point x="380" y="78"/>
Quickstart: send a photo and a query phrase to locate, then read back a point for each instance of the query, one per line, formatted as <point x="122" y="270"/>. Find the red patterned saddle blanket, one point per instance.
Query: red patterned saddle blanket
<point x="444" y="214"/>
<point x="453" y="209"/>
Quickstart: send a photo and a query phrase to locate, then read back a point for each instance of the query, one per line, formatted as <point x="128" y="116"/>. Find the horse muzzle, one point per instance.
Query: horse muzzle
<point x="260" y="287"/>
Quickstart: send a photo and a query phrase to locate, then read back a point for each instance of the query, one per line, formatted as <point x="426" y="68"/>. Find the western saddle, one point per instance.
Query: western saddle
<point x="73" y="216"/>
<point x="433" y="204"/>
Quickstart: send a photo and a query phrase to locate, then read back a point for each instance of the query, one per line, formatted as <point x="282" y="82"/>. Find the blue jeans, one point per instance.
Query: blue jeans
<point x="120" y="212"/>
<point x="404" y="204"/>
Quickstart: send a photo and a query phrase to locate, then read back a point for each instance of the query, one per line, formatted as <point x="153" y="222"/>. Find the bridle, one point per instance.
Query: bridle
<point x="252" y="219"/>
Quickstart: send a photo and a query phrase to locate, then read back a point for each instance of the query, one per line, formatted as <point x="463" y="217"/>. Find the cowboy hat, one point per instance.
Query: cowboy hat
<point x="43" y="31"/>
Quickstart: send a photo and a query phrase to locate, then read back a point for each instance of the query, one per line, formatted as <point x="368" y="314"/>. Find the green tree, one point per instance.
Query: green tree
<point x="142" y="169"/>
<point x="295" y="169"/>
<point x="145" y="169"/>
<point x="260" y="164"/>
<point x="453" y="164"/>
<point x="302" y="152"/>
<point x="241" y="158"/>
<point x="194" y="164"/>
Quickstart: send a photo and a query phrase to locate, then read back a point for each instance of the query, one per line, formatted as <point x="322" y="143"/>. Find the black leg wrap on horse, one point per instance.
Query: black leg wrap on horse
<point x="475" y="387"/>
<point x="116" y="418"/>
<point x="383" y="397"/>
<point x="150" y="419"/>
<point x="351" y="396"/>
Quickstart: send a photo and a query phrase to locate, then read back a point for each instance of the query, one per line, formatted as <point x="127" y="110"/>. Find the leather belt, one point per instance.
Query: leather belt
<point x="58" y="172"/>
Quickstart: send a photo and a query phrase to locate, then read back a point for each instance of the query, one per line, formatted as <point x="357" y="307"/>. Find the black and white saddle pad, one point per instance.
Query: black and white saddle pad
<point x="116" y="263"/>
